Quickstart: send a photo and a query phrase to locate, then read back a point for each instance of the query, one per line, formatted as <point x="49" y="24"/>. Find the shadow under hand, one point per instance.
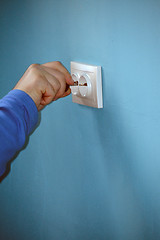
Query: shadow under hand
<point x="8" y="166"/>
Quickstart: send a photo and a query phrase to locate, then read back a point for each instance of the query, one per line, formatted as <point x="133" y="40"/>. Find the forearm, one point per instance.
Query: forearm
<point x="40" y="85"/>
<point x="18" y="117"/>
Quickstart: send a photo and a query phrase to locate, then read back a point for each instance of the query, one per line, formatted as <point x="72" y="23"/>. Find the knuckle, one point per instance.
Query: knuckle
<point x="34" y="72"/>
<point x="33" y="66"/>
<point x="33" y="69"/>
<point x="58" y="63"/>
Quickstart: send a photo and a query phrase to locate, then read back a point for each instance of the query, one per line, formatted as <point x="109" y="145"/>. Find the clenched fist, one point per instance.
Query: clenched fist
<point x="45" y="83"/>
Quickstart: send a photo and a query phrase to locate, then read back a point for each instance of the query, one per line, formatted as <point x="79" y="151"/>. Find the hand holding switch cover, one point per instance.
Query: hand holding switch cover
<point x="45" y="83"/>
<point x="39" y="86"/>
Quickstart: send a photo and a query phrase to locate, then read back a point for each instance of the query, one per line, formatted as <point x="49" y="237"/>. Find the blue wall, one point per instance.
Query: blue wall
<point x="86" y="173"/>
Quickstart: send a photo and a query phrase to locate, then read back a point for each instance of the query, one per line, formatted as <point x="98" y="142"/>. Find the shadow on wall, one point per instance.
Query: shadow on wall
<point x="8" y="167"/>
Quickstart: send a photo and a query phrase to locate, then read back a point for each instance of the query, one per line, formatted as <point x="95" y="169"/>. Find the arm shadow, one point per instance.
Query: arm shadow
<point x="8" y="167"/>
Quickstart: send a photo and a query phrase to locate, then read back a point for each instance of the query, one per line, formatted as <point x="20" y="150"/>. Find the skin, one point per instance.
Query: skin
<point x="45" y="83"/>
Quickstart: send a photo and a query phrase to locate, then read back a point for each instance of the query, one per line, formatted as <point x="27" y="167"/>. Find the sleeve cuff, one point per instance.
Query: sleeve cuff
<point x="24" y="100"/>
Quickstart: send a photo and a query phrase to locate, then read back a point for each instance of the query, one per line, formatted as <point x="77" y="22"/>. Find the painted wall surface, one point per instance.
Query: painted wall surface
<point x="86" y="173"/>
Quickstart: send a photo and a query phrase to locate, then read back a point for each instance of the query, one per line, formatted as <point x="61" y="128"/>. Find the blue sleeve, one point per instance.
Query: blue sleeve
<point x="18" y="117"/>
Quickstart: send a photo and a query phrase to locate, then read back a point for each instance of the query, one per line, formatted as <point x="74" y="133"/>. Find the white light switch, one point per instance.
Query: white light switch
<point x="87" y="89"/>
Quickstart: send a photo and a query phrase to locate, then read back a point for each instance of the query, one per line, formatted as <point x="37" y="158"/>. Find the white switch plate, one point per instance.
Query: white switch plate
<point x="89" y="89"/>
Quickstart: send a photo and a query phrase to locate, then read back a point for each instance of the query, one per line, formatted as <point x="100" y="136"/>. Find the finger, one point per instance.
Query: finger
<point x="52" y="80"/>
<point x="47" y="97"/>
<point x="59" y="66"/>
<point x="68" y="92"/>
<point x="61" y="78"/>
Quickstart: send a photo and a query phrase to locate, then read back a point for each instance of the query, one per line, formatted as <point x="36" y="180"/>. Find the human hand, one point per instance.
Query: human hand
<point x="45" y="83"/>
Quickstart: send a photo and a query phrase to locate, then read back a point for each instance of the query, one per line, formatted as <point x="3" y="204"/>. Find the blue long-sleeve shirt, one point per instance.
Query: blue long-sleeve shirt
<point x="18" y="117"/>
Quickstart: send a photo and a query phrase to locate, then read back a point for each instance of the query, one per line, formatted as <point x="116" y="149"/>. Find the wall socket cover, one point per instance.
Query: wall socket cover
<point x="88" y="84"/>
